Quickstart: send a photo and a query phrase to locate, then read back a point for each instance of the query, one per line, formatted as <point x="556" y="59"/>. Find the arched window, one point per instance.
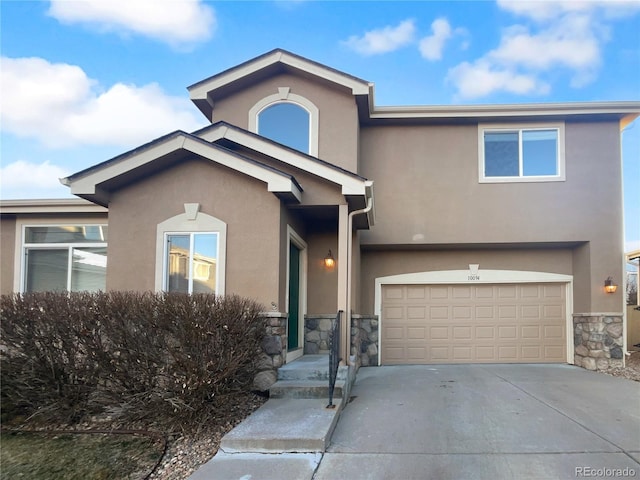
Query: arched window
<point x="285" y="123"/>
<point x="287" y="118"/>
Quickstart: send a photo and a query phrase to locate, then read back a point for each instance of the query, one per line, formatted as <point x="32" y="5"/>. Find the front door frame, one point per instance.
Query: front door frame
<point x="295" y="239"/>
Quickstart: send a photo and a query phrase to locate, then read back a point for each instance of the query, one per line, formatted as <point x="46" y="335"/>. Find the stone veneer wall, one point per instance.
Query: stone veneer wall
<point x="364" y="336"/>
<point x="364" y="339"/>
<point x="317" y="330"/>
<point x="274" y="350"/>
<point x="598" y="340"/>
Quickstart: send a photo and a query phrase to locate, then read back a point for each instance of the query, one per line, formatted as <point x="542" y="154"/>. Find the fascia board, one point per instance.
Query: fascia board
<point x="487" y="111"/>
<point x="201" y="91"/>
<point x="276" y="182"/>
<point x="63" y="206"/>
<point x="350" y="186"/>
<point x="87" y="185"/>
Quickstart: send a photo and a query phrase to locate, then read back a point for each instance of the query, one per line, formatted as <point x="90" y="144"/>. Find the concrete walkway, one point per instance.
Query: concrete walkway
<point x="468" y="421"/>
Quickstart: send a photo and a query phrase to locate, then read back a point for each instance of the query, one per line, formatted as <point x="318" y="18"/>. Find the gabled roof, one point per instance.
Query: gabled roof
<point x="95" y="183"/>
<point x="351" y="183"/>
<point x="203" y="93"/>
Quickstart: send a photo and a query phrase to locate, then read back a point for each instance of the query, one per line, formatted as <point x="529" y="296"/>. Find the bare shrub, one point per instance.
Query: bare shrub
<point x="160" y="358"/>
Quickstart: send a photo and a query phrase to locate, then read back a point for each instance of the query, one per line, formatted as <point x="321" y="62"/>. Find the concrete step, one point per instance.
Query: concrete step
<point x="310" y="367"/>
<point x="285" y="425"/>
<point x="305" y="389"/>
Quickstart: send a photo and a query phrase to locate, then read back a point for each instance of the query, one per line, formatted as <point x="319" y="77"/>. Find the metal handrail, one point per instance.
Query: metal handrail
<point x="334" y="353"/>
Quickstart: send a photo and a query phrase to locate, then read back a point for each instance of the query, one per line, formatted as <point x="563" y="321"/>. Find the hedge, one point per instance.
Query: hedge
<point x="158" y="358"/>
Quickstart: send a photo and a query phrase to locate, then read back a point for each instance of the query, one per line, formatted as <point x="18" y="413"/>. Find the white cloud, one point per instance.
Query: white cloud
<point x="60" y="106"/>
<point x="383" y="40"/>
<point x="26" y="175"/>
<point x="178" y="23"/>
<point x="431" y="47"/>
<point x="562" y="36"/>
<point x="482" y="78"/>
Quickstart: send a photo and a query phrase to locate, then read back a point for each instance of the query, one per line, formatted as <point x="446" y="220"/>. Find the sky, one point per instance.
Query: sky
<point x="83" y="81"/>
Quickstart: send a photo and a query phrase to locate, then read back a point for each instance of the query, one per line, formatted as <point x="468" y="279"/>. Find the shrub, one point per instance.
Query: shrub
<point x="162" y="358"/>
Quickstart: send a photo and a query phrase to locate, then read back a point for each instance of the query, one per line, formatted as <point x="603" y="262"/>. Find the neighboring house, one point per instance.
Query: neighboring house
<point x="489" y="237"/>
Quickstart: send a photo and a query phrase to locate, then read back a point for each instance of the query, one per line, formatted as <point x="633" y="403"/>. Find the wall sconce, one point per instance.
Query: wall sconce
<point x="609" y="286"/>
<point x="329" y="261"/>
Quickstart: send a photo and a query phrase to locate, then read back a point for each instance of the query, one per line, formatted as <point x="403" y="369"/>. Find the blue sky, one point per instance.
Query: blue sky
<point x="83" y="81"/>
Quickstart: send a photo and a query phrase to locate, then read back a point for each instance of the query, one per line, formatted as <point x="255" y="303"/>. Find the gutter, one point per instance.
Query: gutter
<point x="347" y="336"/>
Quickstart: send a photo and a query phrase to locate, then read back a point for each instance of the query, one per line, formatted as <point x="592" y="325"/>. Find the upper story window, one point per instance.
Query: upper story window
<point x="287" y="118"/>
<point x="286" y="123"/>
<point x="68" y="258"/>
<point x="521" y="153"/>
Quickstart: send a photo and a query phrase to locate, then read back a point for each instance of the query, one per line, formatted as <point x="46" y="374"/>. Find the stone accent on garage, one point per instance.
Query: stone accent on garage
<point x="364" y="339"/>
<point x="274" y="350"/>
<point x="598" y="340"/>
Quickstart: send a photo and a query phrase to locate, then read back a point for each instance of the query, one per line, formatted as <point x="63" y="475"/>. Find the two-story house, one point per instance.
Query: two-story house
<point x="447" y="234"/>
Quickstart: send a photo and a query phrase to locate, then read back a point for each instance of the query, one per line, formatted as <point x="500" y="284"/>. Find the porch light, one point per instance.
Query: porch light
<point x="609" y="286"/>
<point x="329" y="261"/>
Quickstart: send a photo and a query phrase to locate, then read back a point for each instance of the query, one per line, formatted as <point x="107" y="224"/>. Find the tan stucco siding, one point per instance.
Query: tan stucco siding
<point x="427" y="192"/>
<point x="7" y="253"/>
<point x="338" y="117"/>
<point x="323" y="294"/>
<point x="251" y="213"/>
<point x="385" y="263"/>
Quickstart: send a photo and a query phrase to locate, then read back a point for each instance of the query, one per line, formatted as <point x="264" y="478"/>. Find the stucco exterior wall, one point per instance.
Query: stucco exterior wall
<point x="427" y="192"/>
<point x="384" y="263"/>
<point x="251" y="213"/>
<point x="323" y="283"/>
<point x="338" y="119"/>
<point x="7" y="253"/>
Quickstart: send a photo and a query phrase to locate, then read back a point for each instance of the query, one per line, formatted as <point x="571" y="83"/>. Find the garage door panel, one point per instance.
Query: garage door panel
<point x="473" y="323"/>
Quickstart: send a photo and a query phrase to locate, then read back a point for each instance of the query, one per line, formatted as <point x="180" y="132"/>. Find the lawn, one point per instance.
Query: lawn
<point x="36" y="456"/>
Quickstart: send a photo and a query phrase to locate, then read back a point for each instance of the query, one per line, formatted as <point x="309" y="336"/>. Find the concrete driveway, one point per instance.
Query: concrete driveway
<point x="486" y="422"/>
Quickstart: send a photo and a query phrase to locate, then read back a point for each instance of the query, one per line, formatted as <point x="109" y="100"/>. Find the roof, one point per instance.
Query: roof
<point x="203" y="93"/>
<point x="50" y="205"/>
<point x="96" y="182"/>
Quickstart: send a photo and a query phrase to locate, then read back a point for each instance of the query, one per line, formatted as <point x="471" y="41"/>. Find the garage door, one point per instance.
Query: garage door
<point x="519" y="323"/>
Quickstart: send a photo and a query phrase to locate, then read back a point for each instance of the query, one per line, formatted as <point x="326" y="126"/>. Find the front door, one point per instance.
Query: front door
<point x="293" y="330"/>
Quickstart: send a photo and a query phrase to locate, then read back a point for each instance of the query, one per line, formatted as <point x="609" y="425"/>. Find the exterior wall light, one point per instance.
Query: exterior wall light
<point x="329" y="261"/>
<point x="609" y="286"/>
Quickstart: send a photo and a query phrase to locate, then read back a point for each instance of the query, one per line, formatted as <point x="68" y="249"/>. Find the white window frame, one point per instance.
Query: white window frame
<point x="284" y="95"/>
<point x="560" y="175"/>
<point x="192" y="221"/>
<point x="190" y="273"/>
<point x="68" y="246"/>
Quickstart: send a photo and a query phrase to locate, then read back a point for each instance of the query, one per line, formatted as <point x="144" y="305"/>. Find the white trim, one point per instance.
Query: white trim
<point x="285" y="96"/>
<point x="20" y="267"/>
<point x="519" y="128"/>
<point x="454" y="277"/>
<point x="277" y="182"/>
<point x="202" y="223"/>
<point x="293" y="237"/>
<point x="350" y="184"/>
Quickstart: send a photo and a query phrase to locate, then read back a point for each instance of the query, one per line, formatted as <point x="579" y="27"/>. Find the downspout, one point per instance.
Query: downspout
<point x="347" y="339"/>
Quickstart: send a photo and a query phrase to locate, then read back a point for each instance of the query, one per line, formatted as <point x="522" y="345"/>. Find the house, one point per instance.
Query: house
<point x="451" y="234"/>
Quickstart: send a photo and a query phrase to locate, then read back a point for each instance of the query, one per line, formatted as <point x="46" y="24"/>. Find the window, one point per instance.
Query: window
<point x="64" y="258"/>
<point x="521" y="154"/>
<point x="191" y="262"/>
<point x="286" y="123"/>
<point x="287" y="118"/>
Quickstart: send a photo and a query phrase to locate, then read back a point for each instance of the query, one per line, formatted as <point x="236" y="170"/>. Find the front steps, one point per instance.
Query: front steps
<point x="308" y="377"/>
<point x="295" y="419"/>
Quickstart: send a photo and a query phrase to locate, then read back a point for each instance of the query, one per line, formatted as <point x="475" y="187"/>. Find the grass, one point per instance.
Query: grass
<point x="40" y="456"/>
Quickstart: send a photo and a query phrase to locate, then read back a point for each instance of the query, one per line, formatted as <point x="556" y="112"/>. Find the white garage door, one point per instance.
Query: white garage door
<point x="505" y="323"/>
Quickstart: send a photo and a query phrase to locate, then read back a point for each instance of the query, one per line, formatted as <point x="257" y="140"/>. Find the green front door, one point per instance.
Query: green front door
<point x="294" y="297"/>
